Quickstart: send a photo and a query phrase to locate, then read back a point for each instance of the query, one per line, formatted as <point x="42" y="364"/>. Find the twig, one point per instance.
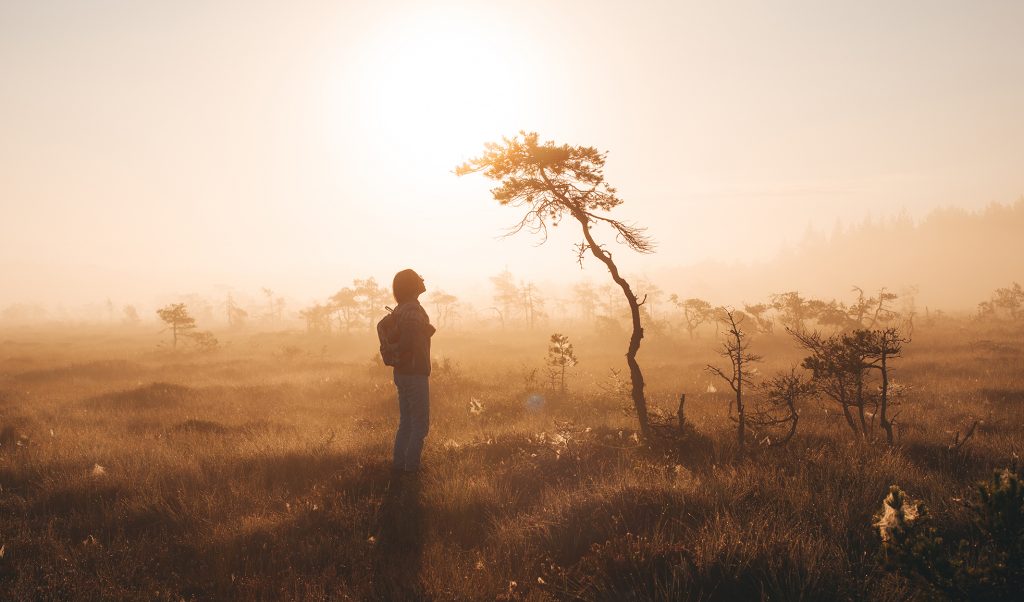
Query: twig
<point x="958" y="442"/>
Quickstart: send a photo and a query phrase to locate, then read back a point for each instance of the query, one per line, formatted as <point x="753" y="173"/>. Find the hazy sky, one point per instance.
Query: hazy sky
<point x="162" y="147"/>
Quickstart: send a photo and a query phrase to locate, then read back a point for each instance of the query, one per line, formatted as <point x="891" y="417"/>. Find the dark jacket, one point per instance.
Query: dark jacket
<point x="414" y="332"/>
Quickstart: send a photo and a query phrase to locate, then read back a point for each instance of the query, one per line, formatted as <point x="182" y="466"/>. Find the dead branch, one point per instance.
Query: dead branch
<point x="959" y="442"/>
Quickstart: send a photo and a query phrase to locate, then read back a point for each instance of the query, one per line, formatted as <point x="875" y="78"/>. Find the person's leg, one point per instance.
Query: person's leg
<point x="404" y="423"/>
<point x="419" y="420"/>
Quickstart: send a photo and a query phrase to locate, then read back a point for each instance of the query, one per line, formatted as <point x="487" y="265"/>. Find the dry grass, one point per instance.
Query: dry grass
<point x="255" y="473"/>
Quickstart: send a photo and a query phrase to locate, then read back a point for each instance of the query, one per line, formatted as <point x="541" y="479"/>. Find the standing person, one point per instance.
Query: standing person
<point x="412" y="371"/>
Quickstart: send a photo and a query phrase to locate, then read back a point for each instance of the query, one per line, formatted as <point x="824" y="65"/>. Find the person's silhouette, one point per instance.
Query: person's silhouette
<point x="412" y="371"/>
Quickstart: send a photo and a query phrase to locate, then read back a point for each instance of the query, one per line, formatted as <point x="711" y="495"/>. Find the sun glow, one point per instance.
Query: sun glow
<point x="433" y="87"/>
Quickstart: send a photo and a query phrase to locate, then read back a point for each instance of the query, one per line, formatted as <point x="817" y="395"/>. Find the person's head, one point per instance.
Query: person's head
<point x="407" y="286"/>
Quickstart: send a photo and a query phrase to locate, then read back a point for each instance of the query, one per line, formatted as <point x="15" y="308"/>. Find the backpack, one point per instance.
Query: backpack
<point x="387" y="334"/>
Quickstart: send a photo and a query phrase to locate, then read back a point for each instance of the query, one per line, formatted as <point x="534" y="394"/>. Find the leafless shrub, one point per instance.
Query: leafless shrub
<point x="737" y="349"/>
<point x="773" y="417"/>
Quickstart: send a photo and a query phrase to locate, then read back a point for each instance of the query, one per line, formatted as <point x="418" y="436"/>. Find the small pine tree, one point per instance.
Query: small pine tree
<point x="177" y="318"/>
<point x="561" y="357"/>
<point x="989" y="566"/>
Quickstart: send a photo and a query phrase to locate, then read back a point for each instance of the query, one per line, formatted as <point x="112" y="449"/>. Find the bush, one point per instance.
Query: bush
<point x="989" y="566"/>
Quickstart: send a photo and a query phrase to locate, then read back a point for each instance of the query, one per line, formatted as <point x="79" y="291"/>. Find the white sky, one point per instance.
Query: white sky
<point x="152" y="148"/>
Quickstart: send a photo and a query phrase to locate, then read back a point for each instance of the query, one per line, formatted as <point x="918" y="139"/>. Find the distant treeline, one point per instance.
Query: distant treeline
<point x="952" y="257"/>
<point x="523" y="305"/>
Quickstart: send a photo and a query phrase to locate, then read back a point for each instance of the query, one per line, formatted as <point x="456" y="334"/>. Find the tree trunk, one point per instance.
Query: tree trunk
<point x="681" y="414"/>
<point x="883" y="419"/>
<point x="849" y="418"/>
<point x="739" y="390"/>
<point x="635" y="375"/>
<point x="795" y="417"/>
<point x="741" y="428"/>
<point x="860" y="407"/>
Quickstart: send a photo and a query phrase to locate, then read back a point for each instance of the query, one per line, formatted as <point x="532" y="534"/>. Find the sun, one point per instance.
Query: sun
<point x="440" y="84"/>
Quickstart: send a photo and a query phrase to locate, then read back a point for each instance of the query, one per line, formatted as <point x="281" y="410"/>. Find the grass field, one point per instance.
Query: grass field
<point x="260" y="471"/>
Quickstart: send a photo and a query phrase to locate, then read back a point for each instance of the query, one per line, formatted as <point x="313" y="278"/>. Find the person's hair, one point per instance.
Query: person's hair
<point x="407" y="285"/>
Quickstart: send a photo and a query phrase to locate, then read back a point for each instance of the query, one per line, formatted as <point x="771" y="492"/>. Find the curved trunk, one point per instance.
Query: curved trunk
<point x="860" y="406"/>
<point x="844" y="403"/>
<point x="883" y="409"/>
<point x="635" y="375"/>
<point x="794" y="418"/>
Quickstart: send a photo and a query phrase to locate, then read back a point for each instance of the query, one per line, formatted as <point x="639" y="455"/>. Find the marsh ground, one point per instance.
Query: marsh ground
<point x="260" y="471"/>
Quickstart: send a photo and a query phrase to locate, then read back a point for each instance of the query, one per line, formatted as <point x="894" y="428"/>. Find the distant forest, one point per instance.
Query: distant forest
<point x="952" y="258"/>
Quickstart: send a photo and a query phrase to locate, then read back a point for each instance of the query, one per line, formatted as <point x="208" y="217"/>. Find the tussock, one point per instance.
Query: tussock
<point x="193" y="425"/>
<point x="102" y="370"/>
<point x="154" y="395"/>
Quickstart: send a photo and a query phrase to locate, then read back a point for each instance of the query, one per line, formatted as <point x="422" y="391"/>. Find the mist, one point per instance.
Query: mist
<point x="292" y="149"/>
<point x="534" y="300"/>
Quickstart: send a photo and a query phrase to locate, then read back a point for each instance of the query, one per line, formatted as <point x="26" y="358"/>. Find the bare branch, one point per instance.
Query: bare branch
<point x="959" y="442"/>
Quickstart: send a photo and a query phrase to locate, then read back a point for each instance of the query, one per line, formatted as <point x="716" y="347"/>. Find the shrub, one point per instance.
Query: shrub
<point x="989" y="566"/>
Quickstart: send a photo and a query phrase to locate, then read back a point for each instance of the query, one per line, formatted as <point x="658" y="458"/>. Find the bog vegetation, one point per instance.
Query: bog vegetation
<point x="844" y="463"/>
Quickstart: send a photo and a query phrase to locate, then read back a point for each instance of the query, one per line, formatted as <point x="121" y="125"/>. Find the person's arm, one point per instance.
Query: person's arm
<point x="410" y="326"/>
